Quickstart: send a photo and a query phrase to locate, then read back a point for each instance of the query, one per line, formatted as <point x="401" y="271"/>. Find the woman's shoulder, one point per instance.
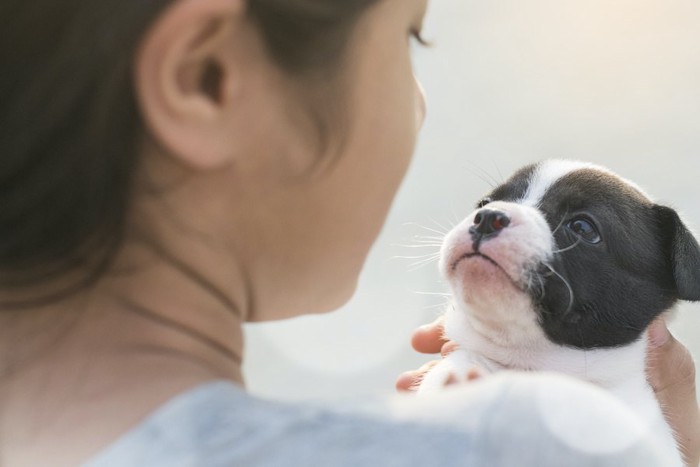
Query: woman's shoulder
<point x="218" y="424"/>
<point x="502" y="422"/>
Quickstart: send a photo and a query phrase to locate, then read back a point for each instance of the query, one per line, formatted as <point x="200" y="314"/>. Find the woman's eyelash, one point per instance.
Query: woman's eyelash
<point x="418" y="36"/>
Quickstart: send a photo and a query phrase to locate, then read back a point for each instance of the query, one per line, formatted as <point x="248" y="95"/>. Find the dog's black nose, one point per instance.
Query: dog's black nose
<point x="489" y="222"/>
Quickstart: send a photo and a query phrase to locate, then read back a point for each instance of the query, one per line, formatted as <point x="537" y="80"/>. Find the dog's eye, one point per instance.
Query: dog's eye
<point x="484" y="202"/>
<point x="585" y="229"/>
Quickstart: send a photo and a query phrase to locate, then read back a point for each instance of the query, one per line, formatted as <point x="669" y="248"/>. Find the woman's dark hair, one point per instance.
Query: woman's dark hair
<point x="70" y="126"/>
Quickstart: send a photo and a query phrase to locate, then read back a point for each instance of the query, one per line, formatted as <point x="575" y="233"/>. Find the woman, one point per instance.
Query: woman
<point x="175" y="168"/>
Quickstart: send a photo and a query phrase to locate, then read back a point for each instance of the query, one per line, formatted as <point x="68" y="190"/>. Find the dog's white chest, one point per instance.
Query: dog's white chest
<point x="620" y="371"/>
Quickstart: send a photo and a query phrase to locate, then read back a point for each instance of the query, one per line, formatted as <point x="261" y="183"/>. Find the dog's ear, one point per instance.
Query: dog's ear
<point x="684" y="253"/>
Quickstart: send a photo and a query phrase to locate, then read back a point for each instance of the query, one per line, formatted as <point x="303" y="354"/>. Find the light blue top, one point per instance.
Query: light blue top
<point x="513" y="420"/>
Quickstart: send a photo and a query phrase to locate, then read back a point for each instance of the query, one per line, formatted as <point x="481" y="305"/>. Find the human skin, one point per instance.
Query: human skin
<point x="670" y="371"/>
<point x="237" y="215"/>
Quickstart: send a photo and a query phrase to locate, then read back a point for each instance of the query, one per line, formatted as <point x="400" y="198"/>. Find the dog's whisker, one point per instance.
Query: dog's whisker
<point x="498" y="171"/>
<point x="420" y="238"/>
<point x="426" y="241"/>
<point x="570" y="247"/>
<point x="434" y="254"/>
<point x="439" y="306"/>
<point x="427" y="259"/>
<point x="484" y="176"/>
<point x="427" y="228"/>
<point x="537" y="286"/>
<point x="440" y="294"/>
<point x="435" y="246"/>
<point x="634" y="328"/>
<point x="446" y="229"/>
<point x="419" y="264"/>
<point x="455" y="218"/>
<point x="543" y="290"/>
<point x="561" y="222"/>
<point x="418" y="245"/>
<point x="531" y="274"/>
<point x="568" y="286"/>
<point x="421" y="257"/>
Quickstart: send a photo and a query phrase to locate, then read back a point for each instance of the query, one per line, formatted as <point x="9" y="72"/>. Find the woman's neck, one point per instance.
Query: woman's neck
<point x="126" y="347"/>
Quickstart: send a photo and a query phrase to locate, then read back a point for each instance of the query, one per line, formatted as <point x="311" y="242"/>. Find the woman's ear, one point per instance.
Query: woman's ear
<point x="187" y="79"/>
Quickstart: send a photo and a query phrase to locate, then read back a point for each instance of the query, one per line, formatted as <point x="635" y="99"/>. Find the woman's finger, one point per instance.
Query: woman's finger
<point x="448" y="347"/>
<point x="409" y="380"/>
<point x="671" y="373"/>
<point x="426" y="339"/>
<point x="429" y="338"/>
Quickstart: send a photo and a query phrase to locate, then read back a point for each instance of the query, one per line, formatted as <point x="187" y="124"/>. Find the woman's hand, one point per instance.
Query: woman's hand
<point x="671" y="373"/>
<point x="427" y="339"/>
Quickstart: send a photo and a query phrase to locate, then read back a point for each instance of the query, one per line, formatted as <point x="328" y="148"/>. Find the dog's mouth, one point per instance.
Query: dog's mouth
<point x="478" y="254"/>
<point x="475" y="254"/>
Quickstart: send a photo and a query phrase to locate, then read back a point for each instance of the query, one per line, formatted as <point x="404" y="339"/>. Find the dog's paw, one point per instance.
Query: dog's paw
<point x="447" y="373"/>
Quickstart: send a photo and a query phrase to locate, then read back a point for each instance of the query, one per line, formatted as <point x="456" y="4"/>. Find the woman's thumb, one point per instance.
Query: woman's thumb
<point x="659" y="334"/>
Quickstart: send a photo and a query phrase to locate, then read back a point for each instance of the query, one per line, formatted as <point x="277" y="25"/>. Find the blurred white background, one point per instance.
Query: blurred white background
<point x="509" y="82"/>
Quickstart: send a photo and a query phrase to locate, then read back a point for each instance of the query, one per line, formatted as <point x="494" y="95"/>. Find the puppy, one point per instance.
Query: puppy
<point x="562" y="268"/>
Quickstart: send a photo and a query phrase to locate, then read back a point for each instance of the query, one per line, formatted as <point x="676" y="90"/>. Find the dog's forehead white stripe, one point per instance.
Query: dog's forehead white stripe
<point x="548" y="172"/>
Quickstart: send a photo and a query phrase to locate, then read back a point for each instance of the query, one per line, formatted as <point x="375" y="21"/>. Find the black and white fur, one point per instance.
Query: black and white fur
<point x="562" y="268"/>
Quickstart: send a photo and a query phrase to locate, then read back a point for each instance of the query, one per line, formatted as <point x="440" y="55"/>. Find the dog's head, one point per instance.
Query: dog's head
<point x="573" y="250"/>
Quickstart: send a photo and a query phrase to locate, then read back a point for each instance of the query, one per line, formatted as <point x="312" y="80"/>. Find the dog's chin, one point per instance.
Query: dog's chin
<point x="479" y="279"/>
